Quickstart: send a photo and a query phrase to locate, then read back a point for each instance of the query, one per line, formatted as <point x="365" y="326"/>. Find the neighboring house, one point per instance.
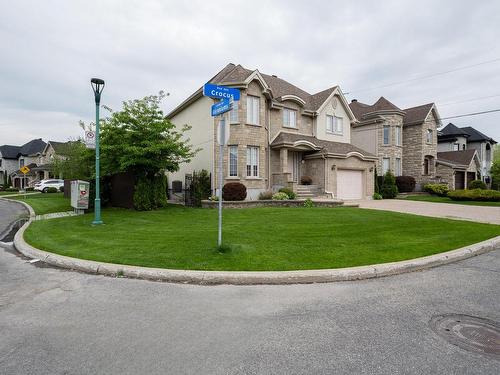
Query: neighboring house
<point x="458" y="168"/>
<point x="453" y="138"/>
<point x="15" y="157"/>
<point x="404" y="140"/>
<point x="278" y="133"/>
<point x="53" y="150"/>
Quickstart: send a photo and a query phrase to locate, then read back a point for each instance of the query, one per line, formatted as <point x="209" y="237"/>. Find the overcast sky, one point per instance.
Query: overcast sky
<point x="51" y="49"/>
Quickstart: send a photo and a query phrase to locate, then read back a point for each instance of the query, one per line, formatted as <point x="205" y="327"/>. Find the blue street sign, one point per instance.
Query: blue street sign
<point x="220" y="92"/>
<point x="221" y="107"/>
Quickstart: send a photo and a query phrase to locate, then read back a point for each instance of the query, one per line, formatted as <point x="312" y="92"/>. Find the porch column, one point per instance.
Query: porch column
<point x="284" y="160"/>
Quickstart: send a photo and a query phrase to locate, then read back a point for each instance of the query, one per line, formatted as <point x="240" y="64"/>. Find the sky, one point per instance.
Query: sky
<point x="410" y="52"/>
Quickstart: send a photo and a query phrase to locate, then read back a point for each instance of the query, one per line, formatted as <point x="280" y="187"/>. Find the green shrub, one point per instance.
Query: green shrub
<point x="234" y="191"/>
<point x="308" y="203"/>
<point x="389" y="190"/>
<point x="150" y="192"/>
<point x="214" y="198"/>
<point x="306" y="180"/>
<point x="142" y="195"/>
<point x="30" y="189"/>
<point x="475" y="195"/>
<point x="280" y="196"/>
<point x="377" y="196"/>
<point x="289" y="192"/>
<point x="266" y="195"/>
<point x="11" y="189"/>
<point x="440" y="190"/>
<point x="201" y="187"/>
<point x="476" y="184"/>
<point x="405" y="184"/>
<point x="51" y="190"/>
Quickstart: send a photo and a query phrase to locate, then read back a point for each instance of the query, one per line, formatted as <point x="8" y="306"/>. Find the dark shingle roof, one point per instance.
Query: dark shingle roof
<point x="417" y="115"/>
<point x="452" y="130"/>
<point x="476" y="135"/>
<point x="33" y="147"/>
<point x="463" y="157"/>
<point x="382" y="104"/>
<point x="9" y="152"/>
<point x="333" y="147"/>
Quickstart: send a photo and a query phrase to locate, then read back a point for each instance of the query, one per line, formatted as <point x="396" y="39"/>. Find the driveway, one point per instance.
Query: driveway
<point x="481" y="214"/>
<point x="56" y="321"/>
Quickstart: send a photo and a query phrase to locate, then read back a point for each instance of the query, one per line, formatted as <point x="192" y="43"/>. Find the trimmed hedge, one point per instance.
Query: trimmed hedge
<point x="280" y="196"/>
<point x="476" y="184"/>
<point x="475" y="195"/>
<point x="405" y="184"/>
<point x="289" y="192"/>
<point x="266" y="195"/>
<point x="234" y="191"/>
<point x="440" y="190"/>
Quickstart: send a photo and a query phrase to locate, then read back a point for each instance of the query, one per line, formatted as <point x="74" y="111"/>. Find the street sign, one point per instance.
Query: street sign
<point x="24" y="170"/>
<point x="90" y="139"/>
<point x="220" y="92"/>
<point x="222" y="138"/>
<point x="221" y="107"/>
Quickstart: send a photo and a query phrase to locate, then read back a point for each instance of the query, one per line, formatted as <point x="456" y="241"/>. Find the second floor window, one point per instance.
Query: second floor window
<point x="397" y="129"/>
<point x="334" y="124"/>
<point x="252" y="161"/>
<point x="387" y="131"/>
<point x="253" y="110"/>
<point x="289" y="118"/>
<point x="233" y="161"/>
<point x="233" y="115"/>
<point x="429" y="135"/>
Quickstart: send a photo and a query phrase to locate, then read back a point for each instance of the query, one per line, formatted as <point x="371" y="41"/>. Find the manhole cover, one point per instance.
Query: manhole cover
<point x="469" y="332"/>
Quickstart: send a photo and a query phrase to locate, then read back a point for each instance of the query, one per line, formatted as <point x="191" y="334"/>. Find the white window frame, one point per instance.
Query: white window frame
<point x="430" y="134"/>
<point x="384" y="169"/>
<point x="388" y="135"/>
<point x="232" y="168"/>
<point x="253" y="110"/>
<point x="397" y="130"/>
<point x="338" y="125"/>
<point x="398" y="167"/>
<point x="288" y="116"/>
<point x="233" y="114"/>
<point x="252" y="167"/>
<point x="329" y="123"/>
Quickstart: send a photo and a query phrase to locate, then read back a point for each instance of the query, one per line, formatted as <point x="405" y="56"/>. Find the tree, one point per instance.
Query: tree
<point x="77" y="163"/>
<point x="495" y="175"/>
<point x="139" y="139"/>
<point x="389" y="189"/>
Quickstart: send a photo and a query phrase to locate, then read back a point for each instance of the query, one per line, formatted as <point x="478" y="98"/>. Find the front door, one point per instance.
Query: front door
<point x="459" y="180"/>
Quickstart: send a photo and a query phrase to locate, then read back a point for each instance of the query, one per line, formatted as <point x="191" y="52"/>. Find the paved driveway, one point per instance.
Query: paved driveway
<point x="447" y="210"/>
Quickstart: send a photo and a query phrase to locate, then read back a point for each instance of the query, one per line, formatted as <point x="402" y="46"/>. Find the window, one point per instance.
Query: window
<point x="334" y="124"/>
<point x="339" y="126"/>
<point x="329" y="123"/>
<point x="397" y="129"/>
<point x="426" y="166"/>
<point x="233" y="115"/>
<point x="456" y="147"/>
<point x="386" y="134"/>
<point x="289" y="118"/>
<point x="252" y="110"/>
<point x="463" y="146"/>
<point x="252" y="161"/>
<point x="398" y="167"/>
<point x="21" y="163"/>
<point x="233" y="161"/>
<point x="386" y="165"/>
<point x="429" y="135"/>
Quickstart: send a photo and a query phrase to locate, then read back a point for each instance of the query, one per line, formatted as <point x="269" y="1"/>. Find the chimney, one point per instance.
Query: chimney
<point x="354" y="101"/>
<point x="275" y="76"/>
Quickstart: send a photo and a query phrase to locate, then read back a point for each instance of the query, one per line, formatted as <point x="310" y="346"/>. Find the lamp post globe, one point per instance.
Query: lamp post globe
<point x="97" y="86"/>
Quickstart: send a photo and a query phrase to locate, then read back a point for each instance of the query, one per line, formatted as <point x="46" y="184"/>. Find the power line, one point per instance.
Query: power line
<point x="471" y="114"/>
<point x="425" y="76"/>
<point x="468" y="100"/>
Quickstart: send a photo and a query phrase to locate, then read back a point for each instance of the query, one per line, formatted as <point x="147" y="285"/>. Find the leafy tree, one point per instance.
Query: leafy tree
<point x="495" y="174"/>
<point x="77" y="163"/>
<point x="389" y="189"/>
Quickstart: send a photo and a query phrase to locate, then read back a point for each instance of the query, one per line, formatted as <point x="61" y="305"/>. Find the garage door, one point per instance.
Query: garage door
<point x="349" y="184"/>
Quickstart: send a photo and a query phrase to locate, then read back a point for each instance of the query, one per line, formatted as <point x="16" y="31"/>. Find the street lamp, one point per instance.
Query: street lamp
<point x="97" y="87"/>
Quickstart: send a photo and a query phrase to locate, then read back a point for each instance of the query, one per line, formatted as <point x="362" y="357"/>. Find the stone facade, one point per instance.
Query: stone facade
<point x="392" y="151"/>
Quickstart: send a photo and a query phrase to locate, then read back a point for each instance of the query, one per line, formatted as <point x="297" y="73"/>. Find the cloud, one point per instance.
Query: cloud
<point x="52" y="49"/>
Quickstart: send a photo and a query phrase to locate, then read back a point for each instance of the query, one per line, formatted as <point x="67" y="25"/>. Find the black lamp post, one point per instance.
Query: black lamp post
<point x="97" y="87"/>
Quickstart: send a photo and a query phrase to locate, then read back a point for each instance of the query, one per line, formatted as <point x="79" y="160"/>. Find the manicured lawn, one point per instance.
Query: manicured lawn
<point x="46" y="203"/>
<point x="261" y="238"/>
<point x="435" y="198"/>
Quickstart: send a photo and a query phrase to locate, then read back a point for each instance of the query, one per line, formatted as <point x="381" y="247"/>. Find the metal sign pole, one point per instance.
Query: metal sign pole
<point x="222" y="132"/>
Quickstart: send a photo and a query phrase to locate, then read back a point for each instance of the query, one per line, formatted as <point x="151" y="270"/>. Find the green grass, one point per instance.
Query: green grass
<point x="46" y="203"/>
<point x="258" y="238"/>
<point x="435" y="198"/>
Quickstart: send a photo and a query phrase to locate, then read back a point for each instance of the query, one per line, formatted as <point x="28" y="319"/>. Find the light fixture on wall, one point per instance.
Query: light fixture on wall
<point x="333" y="167"/>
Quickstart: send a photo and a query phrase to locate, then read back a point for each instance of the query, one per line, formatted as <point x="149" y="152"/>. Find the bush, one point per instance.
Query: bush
<point x="405" y="184"/>
<point x="12" y="189"/>
<point x="389" y="190"/>
<point x="201" y="187"/>
<point x="266" y="195"/>
<point x="377" y="196"/>
<point x="289" y="192"/>
<point x="61" y="189"/>
<point x="308" y="203"/>
<point x="150" y="192"/>
<point x="440" y="190"/>
<point x="51" y="190"/>
<point x="280" y="196"/>
<point x="30" y="189"/>
<point x="475" y="195"/>
<point x="234" y="191"/>
<point x="214" y="198"/>
<point x="306" y="180"/>
<point x="476" y="184"/>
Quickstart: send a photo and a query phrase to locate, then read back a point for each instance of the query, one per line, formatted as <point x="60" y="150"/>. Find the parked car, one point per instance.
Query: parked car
<point x="44" y="185"/>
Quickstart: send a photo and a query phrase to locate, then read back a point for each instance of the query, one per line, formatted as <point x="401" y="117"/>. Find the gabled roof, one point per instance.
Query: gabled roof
<point x="361" y="110"/>
<point x="33" y="147"/>
<point x="60" y="148"/>
<point x="463" y="157"/>
<point x="417" y="115"/>
<point x="476" y="135"/>
<point x="9" y="151"/>
<point x="451" y="130"/>
<point x="236" y="75"/>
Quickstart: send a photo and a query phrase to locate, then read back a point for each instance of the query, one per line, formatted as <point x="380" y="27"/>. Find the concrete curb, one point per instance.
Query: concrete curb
<point x="252" y="277"/>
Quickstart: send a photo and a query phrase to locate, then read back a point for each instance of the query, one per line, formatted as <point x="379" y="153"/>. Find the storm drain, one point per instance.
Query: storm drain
<point x="471" y="333"/>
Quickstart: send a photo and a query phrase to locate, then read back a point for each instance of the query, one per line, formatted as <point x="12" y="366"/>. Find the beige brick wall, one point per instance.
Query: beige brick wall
<point x="304" y="123"/>
<point x="392" y="150"/>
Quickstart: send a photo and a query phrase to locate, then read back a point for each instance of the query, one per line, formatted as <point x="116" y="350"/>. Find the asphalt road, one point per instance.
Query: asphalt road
<point x="61" y="322"/>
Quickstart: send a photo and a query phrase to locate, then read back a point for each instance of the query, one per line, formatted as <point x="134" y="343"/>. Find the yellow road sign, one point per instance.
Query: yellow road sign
<point x="24" y="169"/>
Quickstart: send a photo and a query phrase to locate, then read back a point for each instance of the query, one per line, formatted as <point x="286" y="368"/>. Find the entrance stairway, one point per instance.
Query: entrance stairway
<point x="307" y="191"/>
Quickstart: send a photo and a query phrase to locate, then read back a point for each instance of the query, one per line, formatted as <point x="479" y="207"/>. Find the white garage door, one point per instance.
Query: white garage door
<point x="349" y="184"/>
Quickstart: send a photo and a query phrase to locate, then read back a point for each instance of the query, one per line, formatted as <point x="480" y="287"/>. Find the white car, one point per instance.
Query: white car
<point x="44" y="185"/>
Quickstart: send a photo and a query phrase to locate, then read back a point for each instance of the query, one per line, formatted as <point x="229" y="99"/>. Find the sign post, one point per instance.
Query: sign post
<point x="24" y="170"/>
<point x="228" y="95"/>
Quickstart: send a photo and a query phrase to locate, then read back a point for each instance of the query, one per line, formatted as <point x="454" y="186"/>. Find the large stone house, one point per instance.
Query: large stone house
<point x="404" y="140"/>
<point x="452" y="138"/>
<point x="12" y="158"/>
<point x="279" y="133"/>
